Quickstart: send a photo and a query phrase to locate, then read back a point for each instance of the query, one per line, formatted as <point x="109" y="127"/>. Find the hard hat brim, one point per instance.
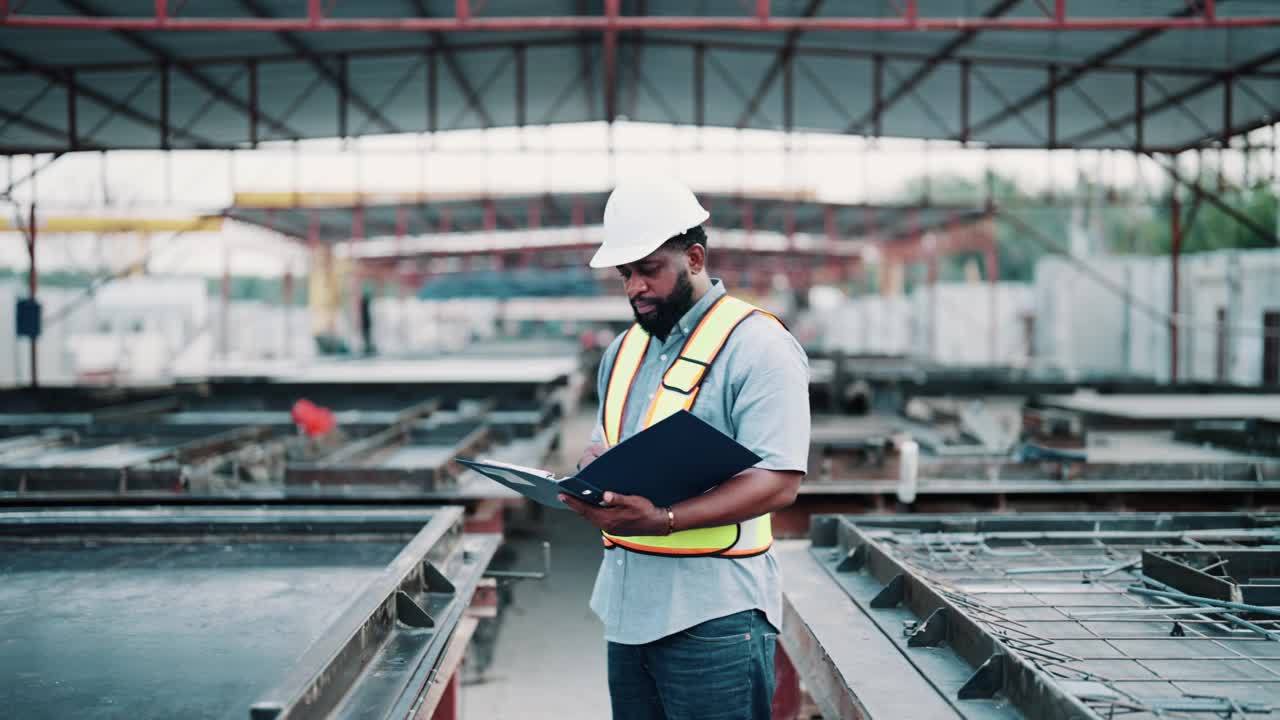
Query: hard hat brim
<point x="607" y="257"/>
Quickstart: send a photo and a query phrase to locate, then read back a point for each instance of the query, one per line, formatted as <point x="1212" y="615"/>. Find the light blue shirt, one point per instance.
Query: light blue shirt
<point x="756" y="392"/>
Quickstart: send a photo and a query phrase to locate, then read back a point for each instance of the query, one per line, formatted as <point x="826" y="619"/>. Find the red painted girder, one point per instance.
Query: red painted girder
<point x="632" y="23"/>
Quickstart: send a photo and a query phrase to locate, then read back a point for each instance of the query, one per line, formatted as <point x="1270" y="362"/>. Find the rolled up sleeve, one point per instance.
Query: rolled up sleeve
<point x="770" y="410"/>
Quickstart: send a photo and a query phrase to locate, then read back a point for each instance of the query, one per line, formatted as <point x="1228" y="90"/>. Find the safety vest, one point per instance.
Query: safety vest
<point x="678" y="391"/>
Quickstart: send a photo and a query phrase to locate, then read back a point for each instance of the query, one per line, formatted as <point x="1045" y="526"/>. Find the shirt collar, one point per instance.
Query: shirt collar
<point x="690" y="320"/>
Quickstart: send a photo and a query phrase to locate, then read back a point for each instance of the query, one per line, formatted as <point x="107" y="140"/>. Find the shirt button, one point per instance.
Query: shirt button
<point x="619" y="562"/>
<point x="650" y="396"/>
<point x="663" y="358"/>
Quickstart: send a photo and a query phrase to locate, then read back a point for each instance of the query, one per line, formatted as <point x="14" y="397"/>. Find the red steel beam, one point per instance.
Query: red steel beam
<point x="908" y="23"/>
<point x="612" y="10"/>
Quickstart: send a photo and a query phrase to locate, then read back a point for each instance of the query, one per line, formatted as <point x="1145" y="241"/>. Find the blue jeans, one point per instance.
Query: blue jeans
<point x="721" y="669"/>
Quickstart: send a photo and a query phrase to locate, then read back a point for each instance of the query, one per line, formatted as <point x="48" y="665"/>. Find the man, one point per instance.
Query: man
<point x="689" y="595"/>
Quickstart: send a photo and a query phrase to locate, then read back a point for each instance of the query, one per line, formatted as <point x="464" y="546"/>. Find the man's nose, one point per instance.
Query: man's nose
<point x="634" y="285"/>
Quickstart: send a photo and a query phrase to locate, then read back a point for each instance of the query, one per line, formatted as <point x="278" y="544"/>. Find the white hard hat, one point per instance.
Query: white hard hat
<point x="641" y="215"/>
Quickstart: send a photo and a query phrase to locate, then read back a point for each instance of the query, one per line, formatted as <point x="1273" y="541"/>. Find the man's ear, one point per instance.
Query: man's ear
<point x="697" y="257"/>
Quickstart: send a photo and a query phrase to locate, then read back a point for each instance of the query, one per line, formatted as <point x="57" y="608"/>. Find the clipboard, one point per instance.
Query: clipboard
<point x="673" y="460"/>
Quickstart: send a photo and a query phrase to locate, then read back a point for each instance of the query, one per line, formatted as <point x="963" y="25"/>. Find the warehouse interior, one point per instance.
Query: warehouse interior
<point x="270" y="268"/>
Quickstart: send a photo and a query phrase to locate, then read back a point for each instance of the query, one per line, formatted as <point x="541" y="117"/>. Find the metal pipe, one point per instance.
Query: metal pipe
<point x="466" y="23"/>
<point x="1235" y="619"/>
<point x="1184" y="597"/>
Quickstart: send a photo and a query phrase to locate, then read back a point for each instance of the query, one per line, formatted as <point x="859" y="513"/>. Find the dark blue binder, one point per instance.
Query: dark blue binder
<point x="673" y="460"/>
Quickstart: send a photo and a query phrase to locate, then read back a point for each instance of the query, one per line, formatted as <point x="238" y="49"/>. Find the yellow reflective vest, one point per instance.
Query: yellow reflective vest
<point x="678" y="391"/>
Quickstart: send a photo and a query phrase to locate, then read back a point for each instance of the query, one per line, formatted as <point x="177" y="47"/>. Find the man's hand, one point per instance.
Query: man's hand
<point x="626" y="514"/>
<point x="591" y="454"/>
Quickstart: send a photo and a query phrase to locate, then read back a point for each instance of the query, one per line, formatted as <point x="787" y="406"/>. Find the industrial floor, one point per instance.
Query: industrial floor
<point x="550" y="656"/>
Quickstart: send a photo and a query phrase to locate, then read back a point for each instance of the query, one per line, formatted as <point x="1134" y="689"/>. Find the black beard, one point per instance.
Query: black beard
<point x="667" y="312"/>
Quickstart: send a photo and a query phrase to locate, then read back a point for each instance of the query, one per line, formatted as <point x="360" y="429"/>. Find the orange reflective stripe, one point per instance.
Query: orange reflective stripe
<point x="747" y="553"/>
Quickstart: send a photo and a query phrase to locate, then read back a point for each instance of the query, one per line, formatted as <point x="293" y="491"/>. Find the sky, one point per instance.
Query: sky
<point x="577" y="157"/>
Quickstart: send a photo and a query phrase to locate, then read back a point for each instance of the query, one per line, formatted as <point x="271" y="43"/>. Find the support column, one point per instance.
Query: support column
<point x="1175" y="253"/>
<point x="933" y="304"/>
<point x="33" y="277"/>
<point x="402" y="229"/>
<point x="356" y="282"/>
<point x="224" y="322"/>
<point x="993" y="278"/>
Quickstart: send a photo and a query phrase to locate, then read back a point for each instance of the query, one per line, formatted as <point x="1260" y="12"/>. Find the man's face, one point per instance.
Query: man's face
<point x="659" y="290"/>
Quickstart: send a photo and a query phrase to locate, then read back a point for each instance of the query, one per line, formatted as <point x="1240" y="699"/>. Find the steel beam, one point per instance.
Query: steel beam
<point x="922" y="73"/>
<point x="699" y="84"/>
<point x="480" y="90"/>
<point x="1052" y="119"/>
<point x="822" y="51"/>
<point x="1226" y="110"/>
<point x="158" y="53"/>
<point x="115" y="106"/>
<point x="392" y="93"/>
<point x="165" y="106"/>
<point x="1265" y="233"/>
<point x="433" y="91"/>
<point x="73" y="125"/>
<point x="610" y="43"/>
<point x="877" y="94"/>
<point x="1175" y="260"/>
<point x="439" y="45"/>
<point x="303" y="50"/>
<point x="1169" y="101"/>
<point x="781" y="59"/>
<point x="343" y="96"/>
<point x="33" y="281"/>
<point x="1139" y="107"/>
<point x="1075" y="73"/>
<point x="521" y="81"/>
<point x="17" y="118"/>
<point x="909" y="21"/>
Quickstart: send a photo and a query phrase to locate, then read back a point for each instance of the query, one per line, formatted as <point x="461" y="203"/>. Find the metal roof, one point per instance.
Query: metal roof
<point x="342" y="216"/>
<point x="1157" y="75"/>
